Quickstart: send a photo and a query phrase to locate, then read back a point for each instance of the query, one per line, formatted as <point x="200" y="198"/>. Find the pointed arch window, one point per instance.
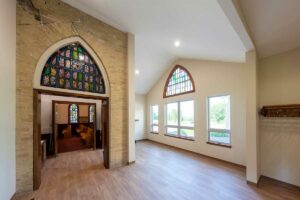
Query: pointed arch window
<point x="179" y="82"/>
<point x="73" y="113"/>
<point x="72" y="68"/>
<point x="91" y="113"/>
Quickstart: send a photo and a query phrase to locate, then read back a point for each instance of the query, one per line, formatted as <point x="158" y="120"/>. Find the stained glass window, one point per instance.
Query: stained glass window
<point x="73" y="114"/>
<point x="71" y="67"/>
<point x="179" y="82"/>
<point x="91" y="113"/>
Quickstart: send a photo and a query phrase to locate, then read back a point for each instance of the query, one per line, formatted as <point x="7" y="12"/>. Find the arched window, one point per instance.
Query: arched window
<point x="73" y="113"/>
<point x="179" y="82"/>
<point x="71" y="67"/>
<point x="91" y="113"/>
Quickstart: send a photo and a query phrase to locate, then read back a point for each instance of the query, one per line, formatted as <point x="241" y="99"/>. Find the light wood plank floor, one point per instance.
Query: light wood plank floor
<point x="160" y="173"/>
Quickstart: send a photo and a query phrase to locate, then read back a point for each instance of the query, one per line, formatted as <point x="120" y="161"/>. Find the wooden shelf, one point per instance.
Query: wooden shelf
<point x="281" y="111"/>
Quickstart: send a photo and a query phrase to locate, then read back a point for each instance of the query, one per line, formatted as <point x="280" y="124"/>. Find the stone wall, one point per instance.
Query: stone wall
<point x="36" y="33"/>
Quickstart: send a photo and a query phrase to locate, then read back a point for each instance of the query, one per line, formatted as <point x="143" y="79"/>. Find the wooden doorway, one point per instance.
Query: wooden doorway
<point x="82" y="120"/>
<point x="37" y="150"/>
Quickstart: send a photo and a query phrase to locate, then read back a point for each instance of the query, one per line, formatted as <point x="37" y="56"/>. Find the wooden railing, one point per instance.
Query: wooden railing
<point x="281" y="111"/>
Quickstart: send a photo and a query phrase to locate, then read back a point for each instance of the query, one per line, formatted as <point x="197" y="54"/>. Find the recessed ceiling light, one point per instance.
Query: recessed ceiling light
<point x="177" y="43"/>
<point x="137" y="71"/>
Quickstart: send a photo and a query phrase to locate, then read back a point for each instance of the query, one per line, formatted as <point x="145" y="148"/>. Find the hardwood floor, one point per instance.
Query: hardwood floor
<point x="159" y="173"/>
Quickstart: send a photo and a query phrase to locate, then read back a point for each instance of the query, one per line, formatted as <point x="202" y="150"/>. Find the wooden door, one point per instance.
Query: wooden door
<point x="37" y="148"/>
<point x="105" y="131"/>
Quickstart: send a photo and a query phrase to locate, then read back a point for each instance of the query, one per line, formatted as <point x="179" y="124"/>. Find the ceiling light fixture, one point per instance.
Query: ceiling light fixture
<point x="177" y="43"/>
<point x="137" y="71"/>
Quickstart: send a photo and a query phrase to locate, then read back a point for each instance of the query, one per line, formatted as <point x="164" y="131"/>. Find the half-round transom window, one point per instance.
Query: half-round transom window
<point x="179" y="82"/>
<point x="72" y="68"/>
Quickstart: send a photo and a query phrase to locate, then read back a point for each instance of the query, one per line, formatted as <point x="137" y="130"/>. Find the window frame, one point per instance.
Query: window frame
<point x="179" y="127"/>
<point x="168" y="80"/>
<point x="151" y="118"/>
<point x="209" y="141"/>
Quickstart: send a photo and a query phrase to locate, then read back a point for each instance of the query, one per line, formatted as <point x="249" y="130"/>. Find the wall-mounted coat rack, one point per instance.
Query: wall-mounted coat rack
<point x="281" y="111"/>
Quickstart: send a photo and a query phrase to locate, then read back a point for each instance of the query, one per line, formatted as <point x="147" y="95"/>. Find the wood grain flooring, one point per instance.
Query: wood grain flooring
<point x="159" y="173"/>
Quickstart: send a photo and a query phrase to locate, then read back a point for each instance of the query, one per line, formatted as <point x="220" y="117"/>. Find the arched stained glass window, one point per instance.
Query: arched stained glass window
<point x="71" y="67"/>
<point x="179" y="81"/>
<point x="73" y="113"/>
<point x="91" y="113"/>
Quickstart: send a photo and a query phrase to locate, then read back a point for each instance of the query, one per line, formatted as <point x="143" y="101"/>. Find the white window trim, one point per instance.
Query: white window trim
<point x="151" y="118"/>
<point x="218" y="130"/>
<point x="178" y="126"/>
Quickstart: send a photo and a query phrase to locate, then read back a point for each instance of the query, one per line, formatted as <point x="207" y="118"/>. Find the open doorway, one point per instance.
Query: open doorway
<point x="69" y="123"/>
<point x="70" y="68"/>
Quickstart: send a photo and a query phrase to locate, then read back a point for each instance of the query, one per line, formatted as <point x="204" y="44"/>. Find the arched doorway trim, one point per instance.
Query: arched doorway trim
<point x="38" y="89"/>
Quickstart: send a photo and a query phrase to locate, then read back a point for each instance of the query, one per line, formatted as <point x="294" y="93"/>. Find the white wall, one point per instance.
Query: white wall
<point x="131" y="93"/>
<point x="7" y="98"/>
<point x="252" y="139"/>
<point x="279" y="82"/>
<point x="211" y="78"/>
<point x="46" y="100"/>
<point x="140" y="116"/>
<point x="279" y="79"/>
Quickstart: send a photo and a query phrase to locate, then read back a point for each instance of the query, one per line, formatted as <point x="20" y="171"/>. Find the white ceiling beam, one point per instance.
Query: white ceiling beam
<point x="237" y="21"/>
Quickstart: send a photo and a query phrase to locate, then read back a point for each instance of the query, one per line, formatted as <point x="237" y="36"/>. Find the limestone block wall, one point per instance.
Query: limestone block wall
<point x="60" y="21"/>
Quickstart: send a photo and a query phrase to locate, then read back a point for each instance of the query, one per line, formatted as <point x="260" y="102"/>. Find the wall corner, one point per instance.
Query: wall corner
<point x="131" y="96"/>
<point x="252" y="136"/>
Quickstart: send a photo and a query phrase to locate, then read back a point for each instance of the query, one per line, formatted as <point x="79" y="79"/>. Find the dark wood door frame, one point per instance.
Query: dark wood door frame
<point x="37" y="129"/>
<point x="37" y="149"/>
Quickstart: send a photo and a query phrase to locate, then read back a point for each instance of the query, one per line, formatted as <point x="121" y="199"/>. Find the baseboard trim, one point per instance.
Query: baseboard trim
<point x="13" y="196"/>
<point x="278" y="182"/>
<point x="141" y="140"/>
<point x="131" y="162"/>
<point x="21" y="194"/>
<point x="228" y="162"/>
<point x="252" y="183"/>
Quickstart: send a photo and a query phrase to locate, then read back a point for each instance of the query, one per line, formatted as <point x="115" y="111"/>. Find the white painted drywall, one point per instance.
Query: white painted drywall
<point x="279" y="81"/>
<point x="7" y="98"/>
<point x="46" y="100"/>
<point x="211" y="78"/>
<point x="131" y="97"/>
<point x="252" y="139"/>
<point x="140" y="116"/>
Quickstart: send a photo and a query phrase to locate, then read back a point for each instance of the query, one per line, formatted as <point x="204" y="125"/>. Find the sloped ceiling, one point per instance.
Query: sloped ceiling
<point x="274" y="24"/>
<point x="201" y="26"/>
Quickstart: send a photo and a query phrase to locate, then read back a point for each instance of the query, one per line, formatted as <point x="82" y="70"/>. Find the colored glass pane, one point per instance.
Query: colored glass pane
<point x="80" y="76"/>
<point x="69" y="67"/>
<point x="75" y="55"/>
<point x="179" y="82"/>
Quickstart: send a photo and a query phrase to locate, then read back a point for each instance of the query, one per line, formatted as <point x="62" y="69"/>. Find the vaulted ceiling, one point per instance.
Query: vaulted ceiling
<point x="201" y="26"/>
<point x="274" y="24"/>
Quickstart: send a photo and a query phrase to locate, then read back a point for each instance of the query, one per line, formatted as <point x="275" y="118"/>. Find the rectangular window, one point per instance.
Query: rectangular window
<point x="180" y="119"/>
<point x="219" y="120"/>
<point x="154" y="119"/>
